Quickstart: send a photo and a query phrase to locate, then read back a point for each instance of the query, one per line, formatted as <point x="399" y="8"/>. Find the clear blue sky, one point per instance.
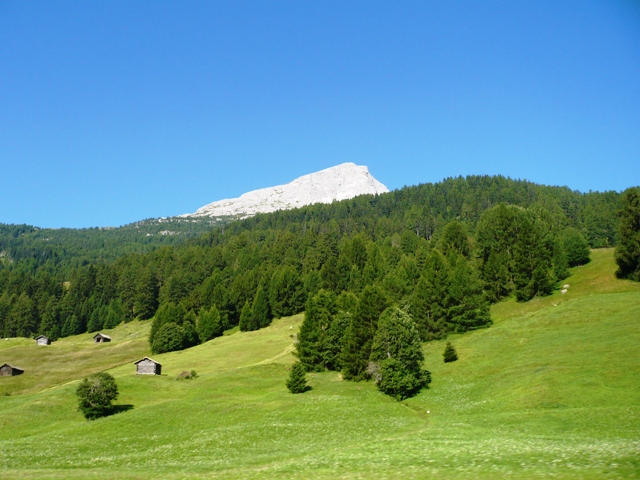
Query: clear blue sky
<point x="115" y="111"/>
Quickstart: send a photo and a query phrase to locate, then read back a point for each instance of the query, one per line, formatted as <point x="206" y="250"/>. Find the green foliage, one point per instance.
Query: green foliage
<point x="334" y="339"/>
<point x="169" y="338"/>
<point x="455" y="237"/>
<point x="95" y="395"/>
<point x="397" y="353"/>
<point x="71" y="278"/>
<point x="468" y="307"/>
<point x="358" y="337"/>
<point x="187" y="375"/>
<point x="449" y="353"/>
<point x="318" y="317"/>
<point x="209" y="324"/>
<point x="260" y="308"/>
<point x="628" y="249"/>
<point x="297" y="381"/>
<point x="430" y="302"/>
<point x="246" y="319"/>
<point x="576" y="247"/>
<point x="286" y="292"/>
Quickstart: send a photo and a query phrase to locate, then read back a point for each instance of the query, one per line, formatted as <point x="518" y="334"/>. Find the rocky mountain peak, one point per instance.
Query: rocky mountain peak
<point x="343" y="181"/>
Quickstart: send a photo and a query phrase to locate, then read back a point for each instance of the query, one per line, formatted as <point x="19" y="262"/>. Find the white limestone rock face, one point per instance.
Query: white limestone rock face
<point x="336" y="183"/>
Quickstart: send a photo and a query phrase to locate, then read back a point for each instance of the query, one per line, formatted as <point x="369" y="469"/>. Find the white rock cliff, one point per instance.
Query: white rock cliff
<point x="343" y="181"/>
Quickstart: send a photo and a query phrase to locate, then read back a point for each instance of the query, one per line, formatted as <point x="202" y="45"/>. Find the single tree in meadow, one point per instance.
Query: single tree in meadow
<point x="95" y="394"/>
<point x="297" y="381"/>
<point x="449" y="354"/>
<point x="396" y="355"/>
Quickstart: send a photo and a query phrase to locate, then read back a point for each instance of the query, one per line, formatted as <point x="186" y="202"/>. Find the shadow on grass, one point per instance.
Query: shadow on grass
<point x="115" y="409"/>
<point x="306" y="389"/>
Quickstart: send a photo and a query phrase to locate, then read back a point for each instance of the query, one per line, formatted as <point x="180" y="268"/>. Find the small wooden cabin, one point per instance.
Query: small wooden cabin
<point x="7" y="370"/>
<point x="42" y="340"/>
<point x="147" y="366"/>
<point x="101" y="338"/>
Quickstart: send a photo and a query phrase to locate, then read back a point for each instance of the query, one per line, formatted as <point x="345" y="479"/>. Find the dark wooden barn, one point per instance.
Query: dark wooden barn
<point x="7" y="370"/>
<point x="147" y="366"/>
<point x="42" y="340"/>
<point x="101" y="338"/>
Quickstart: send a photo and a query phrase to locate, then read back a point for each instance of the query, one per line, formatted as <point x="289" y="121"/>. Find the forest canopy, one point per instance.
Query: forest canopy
<point x="441" y="252"/>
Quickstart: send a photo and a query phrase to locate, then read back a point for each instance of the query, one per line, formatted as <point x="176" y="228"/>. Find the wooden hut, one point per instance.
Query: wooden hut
<point x="101" y="338"/>
<point x="7" y="370"/>
<point x="147" y="366"/>
<point x="42" y="340"/>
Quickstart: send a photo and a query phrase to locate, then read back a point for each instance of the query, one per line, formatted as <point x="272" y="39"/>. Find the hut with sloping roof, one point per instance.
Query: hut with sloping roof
<point x="148" y="366"/>
<point x="101" y="338"/>
<point x="42" y="340"/>
<point x="7" y="370"/>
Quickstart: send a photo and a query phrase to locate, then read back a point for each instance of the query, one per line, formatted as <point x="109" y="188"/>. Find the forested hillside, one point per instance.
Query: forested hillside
<point x="61" y="250"/>
<point x="440" y="251"/>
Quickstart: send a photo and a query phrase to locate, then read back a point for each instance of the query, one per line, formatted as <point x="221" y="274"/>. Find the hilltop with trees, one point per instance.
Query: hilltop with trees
<point x="441" y="252"/>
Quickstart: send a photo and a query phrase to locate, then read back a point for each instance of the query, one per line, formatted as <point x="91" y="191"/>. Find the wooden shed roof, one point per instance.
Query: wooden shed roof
<point x="146" y="358"/>
<point x="102" y="335"/>
<point x="11" y="367"/>
<point x="42" y="336"/>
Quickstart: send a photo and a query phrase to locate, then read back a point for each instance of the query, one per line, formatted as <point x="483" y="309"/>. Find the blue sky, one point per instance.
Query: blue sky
<point x="111" y="112"/>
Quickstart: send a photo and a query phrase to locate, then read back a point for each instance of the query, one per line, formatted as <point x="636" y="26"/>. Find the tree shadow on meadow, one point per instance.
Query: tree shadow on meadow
<point x="115" y="409"/>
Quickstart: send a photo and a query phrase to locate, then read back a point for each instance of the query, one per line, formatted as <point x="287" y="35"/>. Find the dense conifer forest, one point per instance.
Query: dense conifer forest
<point x="440" y="253"/>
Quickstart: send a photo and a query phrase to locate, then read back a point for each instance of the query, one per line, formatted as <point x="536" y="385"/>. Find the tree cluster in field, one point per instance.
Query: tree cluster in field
<point x="628" y="249"/>
<point x="441" y="252"/>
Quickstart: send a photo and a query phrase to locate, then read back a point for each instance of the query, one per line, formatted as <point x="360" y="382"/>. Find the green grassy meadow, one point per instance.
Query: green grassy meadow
<point x="552" y="389"/>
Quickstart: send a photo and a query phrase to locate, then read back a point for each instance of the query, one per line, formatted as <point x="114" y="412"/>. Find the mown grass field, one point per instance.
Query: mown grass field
<point x="552" y="389"/>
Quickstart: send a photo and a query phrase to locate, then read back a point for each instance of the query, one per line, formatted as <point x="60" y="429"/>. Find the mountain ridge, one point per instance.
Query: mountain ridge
<point x="340" y="182"/>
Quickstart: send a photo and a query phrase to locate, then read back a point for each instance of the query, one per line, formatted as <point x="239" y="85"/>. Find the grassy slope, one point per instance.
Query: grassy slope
<point x="548" y="390"/>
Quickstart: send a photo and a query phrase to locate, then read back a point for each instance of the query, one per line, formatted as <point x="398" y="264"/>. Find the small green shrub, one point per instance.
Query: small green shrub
<point x="449" y="354"/>
<point x="297" y="381"/>
<point x="187" y="375"/>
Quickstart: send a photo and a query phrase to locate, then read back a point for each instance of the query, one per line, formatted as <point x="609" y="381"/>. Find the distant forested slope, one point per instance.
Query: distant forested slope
<point x="441" y="251"/>
<point x="64" y="248"/>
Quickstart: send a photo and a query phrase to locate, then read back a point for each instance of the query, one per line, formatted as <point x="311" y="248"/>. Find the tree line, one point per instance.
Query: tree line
<point x="441" y="252"/>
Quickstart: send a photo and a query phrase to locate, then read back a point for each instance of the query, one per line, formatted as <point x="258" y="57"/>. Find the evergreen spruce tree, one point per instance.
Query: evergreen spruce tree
<point x="96" y="319"/>
<point x="449" y="354"/>
<point x="627" y="252"/>
<point x="246" y="317"/>
<point x="146" y="296"/>
<point x="359" y="335"/>
<point x="531" y="260"/>
<point x="209" y="325"/>
<point x="49" y="325"/>
<point x="260" y="307"/>
<point x="297" y="381"/>
<point x="191" y="338"/>
<point x="318" y="316"/>
<point x="455" y="237"/>
<point x="168" y="338"/>
<point x="334" y="340"/>
<point x="468" y="307"/>
<point x="430" y="302"/>
<point x="496" y="276"/>
<point x="559" y="260"/>
<point x="576" y="248"/>
<point x="397" y="356"/>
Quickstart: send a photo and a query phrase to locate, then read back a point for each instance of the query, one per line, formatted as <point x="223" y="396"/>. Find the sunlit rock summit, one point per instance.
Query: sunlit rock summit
<point x="343" y="181"/>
